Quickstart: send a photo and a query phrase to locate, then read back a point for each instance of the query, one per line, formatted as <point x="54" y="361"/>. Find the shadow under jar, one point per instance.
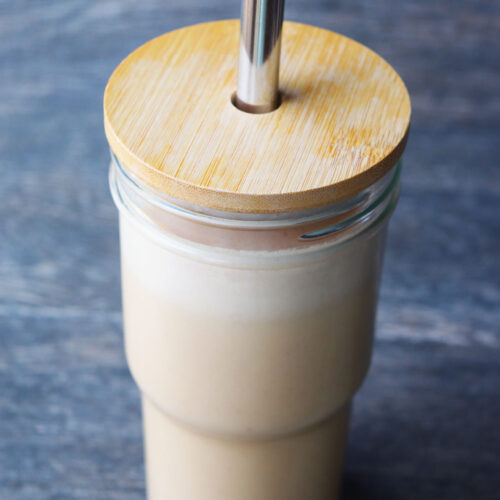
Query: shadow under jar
<point x="248" y="332"/>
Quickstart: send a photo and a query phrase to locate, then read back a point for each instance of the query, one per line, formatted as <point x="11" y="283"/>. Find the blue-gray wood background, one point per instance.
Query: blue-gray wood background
<point x="426" y="422"/>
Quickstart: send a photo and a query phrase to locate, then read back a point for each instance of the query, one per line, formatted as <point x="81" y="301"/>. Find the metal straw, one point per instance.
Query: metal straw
<point x="259" y="58"/>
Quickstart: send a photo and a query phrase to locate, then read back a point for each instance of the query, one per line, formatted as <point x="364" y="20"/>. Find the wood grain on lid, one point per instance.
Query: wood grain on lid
<point x="343" y="122"/>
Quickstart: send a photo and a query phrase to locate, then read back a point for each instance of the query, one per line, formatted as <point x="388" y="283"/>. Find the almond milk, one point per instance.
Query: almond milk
<point x="247" y="361"/>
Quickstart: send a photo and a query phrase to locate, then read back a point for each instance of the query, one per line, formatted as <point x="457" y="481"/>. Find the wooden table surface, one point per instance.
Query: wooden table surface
<point x="426" y="422"/>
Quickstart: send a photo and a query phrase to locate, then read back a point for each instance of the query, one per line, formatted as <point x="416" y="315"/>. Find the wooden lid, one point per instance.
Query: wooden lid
<point x="342" y="125"/>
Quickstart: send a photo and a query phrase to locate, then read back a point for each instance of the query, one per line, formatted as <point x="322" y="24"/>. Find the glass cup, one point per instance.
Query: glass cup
<point x="248" y="336"/>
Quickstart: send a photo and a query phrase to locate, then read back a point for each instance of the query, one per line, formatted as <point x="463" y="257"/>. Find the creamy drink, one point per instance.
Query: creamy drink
<point x="248" y="316"/>
<point x="247" y="364"/>
<point x="247" y="360"/>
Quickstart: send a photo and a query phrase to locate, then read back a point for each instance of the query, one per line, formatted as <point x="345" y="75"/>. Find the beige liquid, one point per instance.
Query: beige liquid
<point x="247" y="362"/>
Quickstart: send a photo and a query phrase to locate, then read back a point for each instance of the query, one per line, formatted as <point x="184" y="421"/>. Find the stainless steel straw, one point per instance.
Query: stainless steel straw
<point x="259" y="57"/>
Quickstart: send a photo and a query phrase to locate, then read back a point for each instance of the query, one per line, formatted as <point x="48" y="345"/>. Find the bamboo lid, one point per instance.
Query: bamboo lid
<point x="342" y="124"/>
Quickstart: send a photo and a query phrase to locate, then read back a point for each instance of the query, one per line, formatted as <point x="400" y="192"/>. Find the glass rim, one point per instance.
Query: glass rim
<point x="355" y="208"/>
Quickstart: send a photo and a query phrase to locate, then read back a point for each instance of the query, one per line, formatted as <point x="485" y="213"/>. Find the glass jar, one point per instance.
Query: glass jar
<point x="248" y="336"/>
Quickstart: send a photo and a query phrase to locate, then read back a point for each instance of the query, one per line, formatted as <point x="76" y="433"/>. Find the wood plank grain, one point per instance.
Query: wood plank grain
<point x="425" y="423"/>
